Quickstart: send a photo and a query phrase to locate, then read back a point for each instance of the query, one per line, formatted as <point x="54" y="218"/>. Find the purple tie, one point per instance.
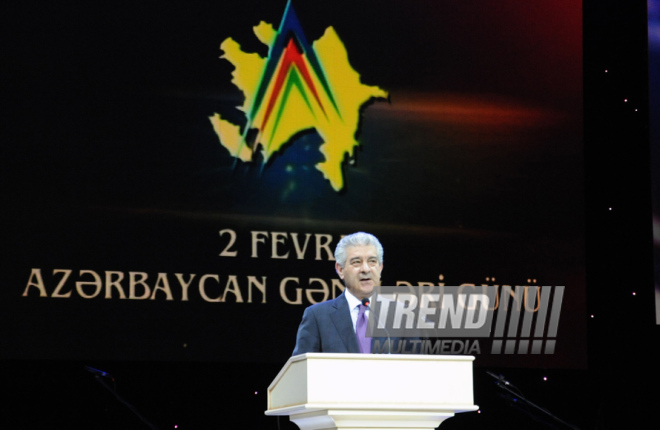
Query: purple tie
<point x="361" y="331"/>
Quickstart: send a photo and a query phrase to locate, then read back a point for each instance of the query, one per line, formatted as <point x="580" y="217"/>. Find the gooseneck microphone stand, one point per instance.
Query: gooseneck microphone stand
<point x="101" y="377"/>
<point x="536" y="411"/>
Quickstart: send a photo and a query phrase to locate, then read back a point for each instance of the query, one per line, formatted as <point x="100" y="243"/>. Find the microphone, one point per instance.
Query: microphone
<point x="366" y="303"/>
<point x="99" y="372"/>
<point x="500" y="379"/>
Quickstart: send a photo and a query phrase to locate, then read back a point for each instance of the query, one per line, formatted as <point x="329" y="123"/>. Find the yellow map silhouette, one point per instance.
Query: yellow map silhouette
<point x="278" y="119"/>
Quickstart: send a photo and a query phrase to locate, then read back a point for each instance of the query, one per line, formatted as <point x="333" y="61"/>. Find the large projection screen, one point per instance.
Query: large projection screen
<point x="177" y="174"/>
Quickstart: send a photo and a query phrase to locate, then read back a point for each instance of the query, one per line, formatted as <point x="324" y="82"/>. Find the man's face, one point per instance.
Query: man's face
<point x="361" y="272"/>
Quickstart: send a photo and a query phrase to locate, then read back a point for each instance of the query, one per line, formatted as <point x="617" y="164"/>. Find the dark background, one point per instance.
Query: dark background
<point x="53" y="392"/>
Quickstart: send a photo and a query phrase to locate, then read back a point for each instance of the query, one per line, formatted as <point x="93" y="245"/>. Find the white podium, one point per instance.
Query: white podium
<point x="371" y="391"/>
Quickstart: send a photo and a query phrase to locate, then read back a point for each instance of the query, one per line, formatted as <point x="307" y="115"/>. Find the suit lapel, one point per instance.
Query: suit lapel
<point x="341" y="317"/>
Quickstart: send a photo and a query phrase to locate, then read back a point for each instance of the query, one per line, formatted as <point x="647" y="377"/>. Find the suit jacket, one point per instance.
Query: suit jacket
<point x="327" y="327"/>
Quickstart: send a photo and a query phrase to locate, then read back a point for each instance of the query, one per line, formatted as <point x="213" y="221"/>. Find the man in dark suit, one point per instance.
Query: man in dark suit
<point x="331" y="326"/>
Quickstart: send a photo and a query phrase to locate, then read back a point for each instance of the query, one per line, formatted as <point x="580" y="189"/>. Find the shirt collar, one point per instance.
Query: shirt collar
<point x="351" y="299"/>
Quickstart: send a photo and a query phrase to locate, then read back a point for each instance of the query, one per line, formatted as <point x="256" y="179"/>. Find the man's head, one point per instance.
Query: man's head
<point x="359" y="261"/>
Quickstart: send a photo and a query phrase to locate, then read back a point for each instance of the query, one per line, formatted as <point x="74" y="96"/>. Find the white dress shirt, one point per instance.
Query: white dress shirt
<point x="354" y="307"/>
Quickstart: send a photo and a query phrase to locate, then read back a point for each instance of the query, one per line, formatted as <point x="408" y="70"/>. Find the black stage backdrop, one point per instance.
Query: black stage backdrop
<point x="134" y="234"/>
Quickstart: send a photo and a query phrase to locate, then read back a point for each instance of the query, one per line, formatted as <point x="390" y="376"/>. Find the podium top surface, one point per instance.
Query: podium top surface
<point x="407" y="357"/>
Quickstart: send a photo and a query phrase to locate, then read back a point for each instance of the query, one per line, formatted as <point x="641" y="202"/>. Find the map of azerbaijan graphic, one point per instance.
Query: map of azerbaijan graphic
<point x="298" y="87"/>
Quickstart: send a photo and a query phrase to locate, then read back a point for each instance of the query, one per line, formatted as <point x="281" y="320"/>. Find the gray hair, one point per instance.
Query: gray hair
<point x="357" y="239"/>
